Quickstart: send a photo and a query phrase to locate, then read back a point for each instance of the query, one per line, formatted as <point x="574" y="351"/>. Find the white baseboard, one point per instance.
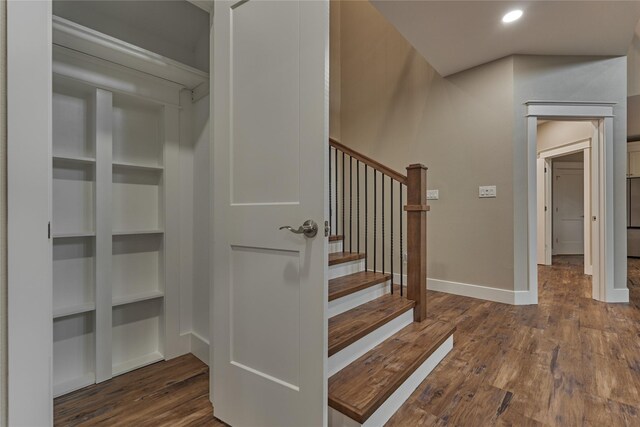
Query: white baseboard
<point x="198" y="346"/>
<point x="618" y="295"/>
<point x="487" y="293"/>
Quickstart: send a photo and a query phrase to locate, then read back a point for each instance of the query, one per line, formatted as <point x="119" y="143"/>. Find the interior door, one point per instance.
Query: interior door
<point x="568" y="209"/>
<point x="270" y="170"/>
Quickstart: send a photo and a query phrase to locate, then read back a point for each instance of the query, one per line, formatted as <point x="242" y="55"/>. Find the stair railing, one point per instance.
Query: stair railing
<point x="380" y="213"/>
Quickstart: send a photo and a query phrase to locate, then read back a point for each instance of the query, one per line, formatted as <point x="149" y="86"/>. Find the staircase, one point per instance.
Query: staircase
<point x="378" y="353"/>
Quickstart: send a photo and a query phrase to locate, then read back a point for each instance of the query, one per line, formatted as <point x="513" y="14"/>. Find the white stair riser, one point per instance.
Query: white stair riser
<point x="335" y="247"/>
<point x="349" y="354"/>
<point x="395" y="401"/>
<point x="345" y="268"/>
<point x="355" y="299"/>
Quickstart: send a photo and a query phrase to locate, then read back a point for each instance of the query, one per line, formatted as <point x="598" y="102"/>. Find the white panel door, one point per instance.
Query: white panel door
<point x="568" y="210"/>
<point x="270" y="170"/>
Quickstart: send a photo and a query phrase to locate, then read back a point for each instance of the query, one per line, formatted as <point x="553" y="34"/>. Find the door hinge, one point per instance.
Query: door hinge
<point x="327" y="229"/>
<point x="49" y="230"/>
<point x="545" y="208"/>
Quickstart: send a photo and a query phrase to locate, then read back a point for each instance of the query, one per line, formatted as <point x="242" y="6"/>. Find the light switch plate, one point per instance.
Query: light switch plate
<point x="433" y="194"/>
<point x="487" y="191"/>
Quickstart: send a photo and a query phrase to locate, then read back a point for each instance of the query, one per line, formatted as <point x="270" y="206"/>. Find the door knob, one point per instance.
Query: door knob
<point x="309" y="228"/>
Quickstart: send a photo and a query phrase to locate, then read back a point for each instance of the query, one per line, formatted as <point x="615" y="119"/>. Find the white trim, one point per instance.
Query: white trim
<point x="504" y="296"/>
<point x="569" y="148"/>
<point x="616" y="295"/>
<point x="349" y="354"/>
<point x="347" y="302"/>
<point x="82" y="39"/>
<point x="395" y="401"/>
<point x="199" y="346"/>
<point x="346" y="268"/>
<point x="602" y="185"/>
<point x="487" y="293"/>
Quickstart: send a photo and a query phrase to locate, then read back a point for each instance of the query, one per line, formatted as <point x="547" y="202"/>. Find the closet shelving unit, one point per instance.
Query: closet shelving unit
<point x="115" y="179"/>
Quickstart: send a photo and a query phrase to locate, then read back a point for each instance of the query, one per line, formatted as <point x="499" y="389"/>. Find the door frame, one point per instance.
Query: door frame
<point x="545" y="218"/>
<point x="29" y="294"/>
<point x="602" y="181"/>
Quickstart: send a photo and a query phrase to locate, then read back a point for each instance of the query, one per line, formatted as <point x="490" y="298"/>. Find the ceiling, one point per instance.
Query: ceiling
<point x="457" y="35"/>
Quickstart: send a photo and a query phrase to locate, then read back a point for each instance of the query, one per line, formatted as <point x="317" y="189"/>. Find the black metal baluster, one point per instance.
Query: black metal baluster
<point x="391" y="210"/>
<point x="366" y="218"/>
<point x="330" y="205"/>
<point x="358" y="202"/>
<point x="375" y="217"/>
<point x="343" y="233"/>
<point x="335" y="166"/>
<point x="401" y="248"/>
<point x="383" y="236"/>
<point x="350" y="204"/>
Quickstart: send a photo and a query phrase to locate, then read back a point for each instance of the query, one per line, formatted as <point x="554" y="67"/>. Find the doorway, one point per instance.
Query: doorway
<point x="601" y="184"/>
<point x="564" y="192"/>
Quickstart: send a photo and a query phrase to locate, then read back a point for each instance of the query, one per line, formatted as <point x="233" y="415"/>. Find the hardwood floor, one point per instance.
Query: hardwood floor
<point x="570" y="361"/>
<point x="173" y="393"/>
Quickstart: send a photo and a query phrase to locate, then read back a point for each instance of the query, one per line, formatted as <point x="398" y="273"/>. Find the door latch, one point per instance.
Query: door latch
<point x="327" y="229"/>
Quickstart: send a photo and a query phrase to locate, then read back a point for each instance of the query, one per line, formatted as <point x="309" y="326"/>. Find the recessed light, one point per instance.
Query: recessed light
<point x="512" y="16"/>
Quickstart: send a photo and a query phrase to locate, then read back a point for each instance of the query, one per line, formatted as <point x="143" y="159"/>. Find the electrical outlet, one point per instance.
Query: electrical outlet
<point x="433" y="194"/>
<point x="488" y="191"/>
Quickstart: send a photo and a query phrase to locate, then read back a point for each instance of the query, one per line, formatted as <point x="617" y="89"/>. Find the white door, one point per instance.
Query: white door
<point x="270" y="157"/>
<point x="568" y="209"/>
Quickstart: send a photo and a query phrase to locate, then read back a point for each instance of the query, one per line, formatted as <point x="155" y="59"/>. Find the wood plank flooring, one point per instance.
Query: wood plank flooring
<point x="173" y="393"/>
<point x="570" y="361"/>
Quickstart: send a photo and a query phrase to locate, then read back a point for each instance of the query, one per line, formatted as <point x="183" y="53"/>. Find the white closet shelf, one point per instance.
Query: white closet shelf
<point x="75" y="234"/>
<point x="137" y="166"/>
<point x="73" y="159"/>
<point x="143" y="296"/>
<point x="139" y="362"/>
<point x="74" y="384"/>
<point x="73" y="309"/>
<point x="137" y="232"/>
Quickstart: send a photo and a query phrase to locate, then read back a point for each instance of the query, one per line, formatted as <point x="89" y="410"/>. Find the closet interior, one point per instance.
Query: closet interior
<point x="129" y="179"/>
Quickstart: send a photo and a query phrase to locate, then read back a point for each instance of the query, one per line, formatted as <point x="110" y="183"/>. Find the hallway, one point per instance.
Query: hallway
<point x="568" y="361"/>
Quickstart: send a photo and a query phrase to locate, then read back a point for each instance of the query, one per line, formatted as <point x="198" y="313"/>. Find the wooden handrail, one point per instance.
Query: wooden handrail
<point x="369" y="161"/>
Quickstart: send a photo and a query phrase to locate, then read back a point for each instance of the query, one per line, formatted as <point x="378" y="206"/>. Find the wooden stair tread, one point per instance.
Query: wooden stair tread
<point x="342" y="257"/>
<point x="362" y="387"/>
<point x="345" y="285"/>
<point x="336" y="237"/>
<point x="348" y="327"/>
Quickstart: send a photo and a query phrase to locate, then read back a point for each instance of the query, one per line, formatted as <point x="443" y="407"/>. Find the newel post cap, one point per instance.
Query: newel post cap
<point x="417" y="166"/>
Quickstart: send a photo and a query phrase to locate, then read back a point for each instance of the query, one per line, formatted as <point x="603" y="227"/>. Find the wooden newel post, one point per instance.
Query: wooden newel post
<point x="417" y="209"/>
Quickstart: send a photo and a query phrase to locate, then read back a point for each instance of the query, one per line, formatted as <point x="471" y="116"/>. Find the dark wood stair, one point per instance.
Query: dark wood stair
<point x="346" y="285"/>
<point x="348" y="327"/>
<point x="336" y="238"/>
<point x="342" y="257"/>
<point x="362" y="387"/>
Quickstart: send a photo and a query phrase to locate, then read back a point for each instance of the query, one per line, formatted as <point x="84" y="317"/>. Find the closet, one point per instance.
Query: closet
<point x="129" y="174"/>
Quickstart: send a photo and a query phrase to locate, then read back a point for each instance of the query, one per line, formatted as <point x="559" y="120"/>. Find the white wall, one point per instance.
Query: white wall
<point x="3" y="215"/>
<point x="201" y="180"/>
<point x="558" y="133"/>
<point x="587" y="79"/>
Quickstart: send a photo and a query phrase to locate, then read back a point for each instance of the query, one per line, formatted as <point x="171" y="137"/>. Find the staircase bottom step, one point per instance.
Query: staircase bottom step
<point x="371" y="389"/>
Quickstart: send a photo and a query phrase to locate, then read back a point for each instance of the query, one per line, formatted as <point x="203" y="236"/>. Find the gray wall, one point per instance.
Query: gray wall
<point x="395" y="108"/>
<point x="3" y="214"/>
<point x="569" y="79"/>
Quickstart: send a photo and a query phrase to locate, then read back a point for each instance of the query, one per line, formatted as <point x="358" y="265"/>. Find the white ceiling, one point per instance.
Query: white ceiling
<point x="456" y="35"/>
